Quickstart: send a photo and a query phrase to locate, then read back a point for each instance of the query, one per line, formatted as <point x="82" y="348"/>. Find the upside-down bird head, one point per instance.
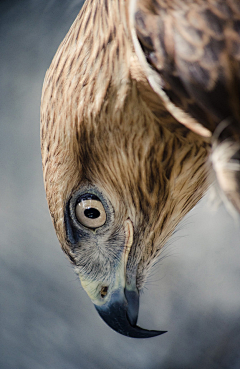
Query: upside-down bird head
<point x="119" y="171"/>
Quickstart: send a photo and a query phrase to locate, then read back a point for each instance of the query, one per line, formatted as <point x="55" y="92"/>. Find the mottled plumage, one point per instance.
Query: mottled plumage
<point x="192" y="59"/>
<point x="107" y="136"/>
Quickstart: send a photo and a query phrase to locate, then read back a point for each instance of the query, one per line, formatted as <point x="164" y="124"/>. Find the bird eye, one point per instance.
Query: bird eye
<point x="90" y="212"/>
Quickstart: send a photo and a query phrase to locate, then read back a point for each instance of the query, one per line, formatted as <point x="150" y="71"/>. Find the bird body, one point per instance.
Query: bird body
<point x="107" y="139"/>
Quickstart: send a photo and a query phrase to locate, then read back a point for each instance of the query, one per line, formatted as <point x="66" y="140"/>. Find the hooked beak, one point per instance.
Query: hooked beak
<point x="119" y="308"/>
<point x="121" y="313"/>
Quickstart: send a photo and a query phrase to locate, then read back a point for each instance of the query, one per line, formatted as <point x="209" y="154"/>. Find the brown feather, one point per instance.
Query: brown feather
<point x="102" y="124"/>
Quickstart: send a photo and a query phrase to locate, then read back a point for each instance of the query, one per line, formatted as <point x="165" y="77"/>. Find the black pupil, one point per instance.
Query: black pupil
<point x="92" y="213"/>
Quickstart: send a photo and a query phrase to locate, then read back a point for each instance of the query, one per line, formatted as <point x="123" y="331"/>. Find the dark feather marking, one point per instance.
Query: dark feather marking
<point x="212" y="51"/>
<point x="60" y="73"/>
<point x="185" y="159"/>
<point x="199" y="167"/>
<point x="196" y="73"/>
<point x="213" y="22"/>
<point x="236" y="26"/>
<point x="223" y="10"/>
<point x="106" y="7"/>
<point x="86" y="22"/>
<point x="164" y="220"/>
<point x="178" y="86"/>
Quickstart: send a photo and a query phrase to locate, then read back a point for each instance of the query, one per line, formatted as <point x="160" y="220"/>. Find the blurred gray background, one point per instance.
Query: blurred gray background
<point x="46" y="319"/>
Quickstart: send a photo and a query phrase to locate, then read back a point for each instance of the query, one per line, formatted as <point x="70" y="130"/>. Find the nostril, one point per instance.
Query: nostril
<point x="104" y="291"/>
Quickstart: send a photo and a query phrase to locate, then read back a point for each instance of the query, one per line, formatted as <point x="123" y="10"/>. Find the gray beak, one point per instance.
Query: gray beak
<point x="121" y="313"/>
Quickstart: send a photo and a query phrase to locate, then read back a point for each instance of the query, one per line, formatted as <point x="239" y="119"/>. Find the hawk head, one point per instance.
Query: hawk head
<point x="119" y="171"/>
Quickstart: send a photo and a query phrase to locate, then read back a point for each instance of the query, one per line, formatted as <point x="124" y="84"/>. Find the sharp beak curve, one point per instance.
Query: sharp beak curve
<point x="121" y="313"/>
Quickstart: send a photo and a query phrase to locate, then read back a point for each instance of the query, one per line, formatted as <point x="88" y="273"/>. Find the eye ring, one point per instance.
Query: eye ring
<point x="90" y="212"/>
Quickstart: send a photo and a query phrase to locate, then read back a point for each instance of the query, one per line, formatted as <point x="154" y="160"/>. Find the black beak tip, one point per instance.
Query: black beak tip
<point x="122" y="325"/>
<point x="117" y="315"/>
<point x="145" y="333"/>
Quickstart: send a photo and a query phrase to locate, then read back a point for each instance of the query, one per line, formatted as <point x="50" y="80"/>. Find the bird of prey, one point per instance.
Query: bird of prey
<point x="139" y="98"/>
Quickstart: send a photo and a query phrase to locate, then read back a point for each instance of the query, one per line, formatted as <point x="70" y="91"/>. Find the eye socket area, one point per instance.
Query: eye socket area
<point x="90" y="211"/>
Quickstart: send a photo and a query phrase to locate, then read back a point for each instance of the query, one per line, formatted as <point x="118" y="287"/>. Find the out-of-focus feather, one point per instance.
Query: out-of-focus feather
<point x="192" y="58"/>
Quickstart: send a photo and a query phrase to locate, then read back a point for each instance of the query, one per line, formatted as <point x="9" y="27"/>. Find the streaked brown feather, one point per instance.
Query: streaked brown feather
<point x="101" y="123"/>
